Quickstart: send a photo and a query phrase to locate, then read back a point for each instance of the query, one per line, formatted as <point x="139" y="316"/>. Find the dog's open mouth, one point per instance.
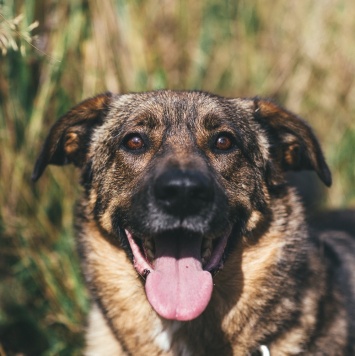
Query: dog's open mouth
<point x="178" y="272"/>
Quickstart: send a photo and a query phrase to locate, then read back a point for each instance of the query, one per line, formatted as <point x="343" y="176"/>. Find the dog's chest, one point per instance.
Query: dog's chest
<point x="166" y="338"/>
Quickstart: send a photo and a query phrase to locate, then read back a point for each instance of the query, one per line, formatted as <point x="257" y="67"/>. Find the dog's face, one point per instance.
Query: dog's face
<point x="178" y="177"/>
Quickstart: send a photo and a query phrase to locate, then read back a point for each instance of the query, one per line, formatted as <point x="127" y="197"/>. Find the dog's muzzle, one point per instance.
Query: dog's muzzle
<point x="181" y="240"/>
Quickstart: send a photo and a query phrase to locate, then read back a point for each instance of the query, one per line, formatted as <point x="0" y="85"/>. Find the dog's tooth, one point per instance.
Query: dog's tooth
<point x="150" y="255"/>
<point x="148" y="243"/>
<point x="206" y="254"/>
<point x="206" y="249"/>
<point x="206" y="244"/>
<point x="149" y="249"/>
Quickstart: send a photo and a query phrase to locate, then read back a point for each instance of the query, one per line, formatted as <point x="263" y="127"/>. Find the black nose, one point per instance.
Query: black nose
<point x="183" y="193"/>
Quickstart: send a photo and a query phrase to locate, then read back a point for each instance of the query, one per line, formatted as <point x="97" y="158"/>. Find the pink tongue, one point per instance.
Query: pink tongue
<point x="178" y="288"/>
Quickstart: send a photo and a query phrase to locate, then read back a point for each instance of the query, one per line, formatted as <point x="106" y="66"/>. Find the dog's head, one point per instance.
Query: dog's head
<point x="178" y="177"/>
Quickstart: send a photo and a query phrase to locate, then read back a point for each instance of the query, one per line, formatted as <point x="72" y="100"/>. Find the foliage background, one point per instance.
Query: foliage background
<point x="300" y="53"/>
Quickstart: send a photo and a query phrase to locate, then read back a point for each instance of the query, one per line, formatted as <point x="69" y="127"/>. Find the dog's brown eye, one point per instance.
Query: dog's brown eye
<point x="134" y="142"/>
<point x="224" y="143"/>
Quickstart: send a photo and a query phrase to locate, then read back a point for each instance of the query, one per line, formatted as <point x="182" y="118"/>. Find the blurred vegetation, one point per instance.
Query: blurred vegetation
<point x="300" y="53"/>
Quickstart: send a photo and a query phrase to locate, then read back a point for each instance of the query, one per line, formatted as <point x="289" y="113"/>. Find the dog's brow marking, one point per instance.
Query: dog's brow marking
<point x="148" y="120"/>
<point x="211" y="122"/>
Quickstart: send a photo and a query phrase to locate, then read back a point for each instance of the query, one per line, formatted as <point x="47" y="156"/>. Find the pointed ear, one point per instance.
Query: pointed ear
<point x="293" y="143"/>
<point x="68" y="137"/>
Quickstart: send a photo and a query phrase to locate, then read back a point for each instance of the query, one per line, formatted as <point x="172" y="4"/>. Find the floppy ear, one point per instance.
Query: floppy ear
<point x="68" y="137"/>
<point x="293" y="143"/>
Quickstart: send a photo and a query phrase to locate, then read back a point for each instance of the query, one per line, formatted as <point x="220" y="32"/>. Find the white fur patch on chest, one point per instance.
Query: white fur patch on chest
<point x="164" y="338"/>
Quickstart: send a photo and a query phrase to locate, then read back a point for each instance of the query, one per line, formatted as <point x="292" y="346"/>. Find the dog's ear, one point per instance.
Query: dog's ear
<point x="67" y="141"/>
<point x="293" y="143"/>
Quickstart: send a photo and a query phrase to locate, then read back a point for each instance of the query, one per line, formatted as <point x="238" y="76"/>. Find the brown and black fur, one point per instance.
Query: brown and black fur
<point x="281" y="285"/>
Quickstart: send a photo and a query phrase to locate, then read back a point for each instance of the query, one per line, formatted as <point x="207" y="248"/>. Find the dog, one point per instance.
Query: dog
<point x="191" y="241"/>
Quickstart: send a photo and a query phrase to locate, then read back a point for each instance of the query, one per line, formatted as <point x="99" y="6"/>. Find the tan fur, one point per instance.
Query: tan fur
<point x="108" y="267"/>
<point x="99" y="337"/>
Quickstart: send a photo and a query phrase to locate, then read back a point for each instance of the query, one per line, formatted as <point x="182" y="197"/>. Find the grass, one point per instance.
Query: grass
<point x="299" y="53"/>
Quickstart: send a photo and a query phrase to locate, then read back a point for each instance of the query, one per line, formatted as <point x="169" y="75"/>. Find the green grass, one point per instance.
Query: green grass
<point x="299" y="53"/>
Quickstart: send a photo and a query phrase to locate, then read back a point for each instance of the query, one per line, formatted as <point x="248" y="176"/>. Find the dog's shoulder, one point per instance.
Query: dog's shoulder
<point x="334" y="234"/>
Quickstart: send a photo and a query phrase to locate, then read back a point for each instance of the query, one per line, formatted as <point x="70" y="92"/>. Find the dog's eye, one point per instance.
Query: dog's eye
<point x="134" y="142"/>
<point x="224" y="142"/>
